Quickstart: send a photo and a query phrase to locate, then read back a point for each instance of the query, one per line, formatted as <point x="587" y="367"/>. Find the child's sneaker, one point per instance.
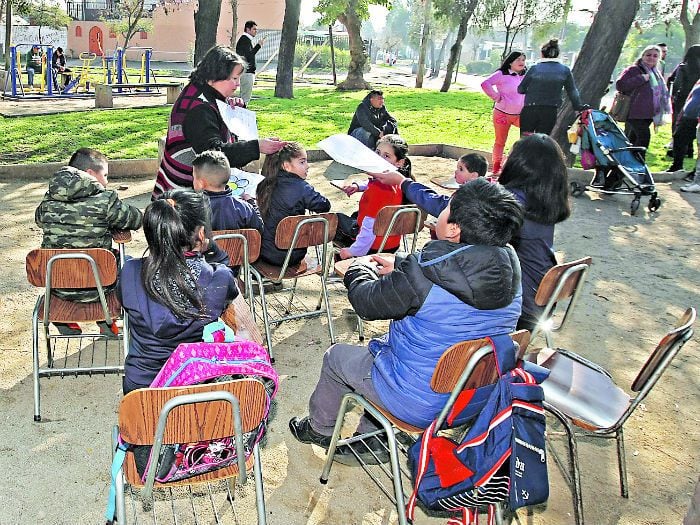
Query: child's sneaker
<point x="68" y="328"/>
<point x="691" y="188"/>
<point x="110" y="332"/>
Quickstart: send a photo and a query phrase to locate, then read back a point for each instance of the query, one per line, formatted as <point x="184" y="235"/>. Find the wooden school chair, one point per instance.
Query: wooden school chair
<point x="73" y="269"/>
<point x="157" y="416"/>
<point x="586" y="400"/>
<point x="469" y="364"/>
<point x="300" y="231"/>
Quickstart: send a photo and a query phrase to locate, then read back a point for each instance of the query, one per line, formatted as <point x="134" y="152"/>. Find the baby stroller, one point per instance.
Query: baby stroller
<point x="619" y="166"/>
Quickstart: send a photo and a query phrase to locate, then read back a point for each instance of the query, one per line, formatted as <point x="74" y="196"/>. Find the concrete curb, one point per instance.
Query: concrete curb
<point x="139" y="168"/>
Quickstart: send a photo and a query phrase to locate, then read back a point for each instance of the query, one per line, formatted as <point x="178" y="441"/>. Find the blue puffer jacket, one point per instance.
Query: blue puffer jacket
<point x="544" y="81"/>
<point x="447" y="293"/>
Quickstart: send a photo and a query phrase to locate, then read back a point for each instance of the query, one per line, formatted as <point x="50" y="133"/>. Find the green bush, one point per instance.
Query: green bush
<point x="304" y="52"/>
<point x="479" y="67"/>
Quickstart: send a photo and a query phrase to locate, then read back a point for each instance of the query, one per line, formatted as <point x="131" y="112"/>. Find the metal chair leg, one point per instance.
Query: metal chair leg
<point x="265" y="316"/>
<point x="324" y="291"/>
<point x="259" y="492"/>
<point x="291" y="297"/>
<point x="35" y="361"/>
<point x="119" y="482"/>
<point x="335" y="437"/>
<point x="622" y="463"/>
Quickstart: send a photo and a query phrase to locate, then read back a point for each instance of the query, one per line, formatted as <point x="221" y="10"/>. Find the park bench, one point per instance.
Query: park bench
<point x="104" y="92"/>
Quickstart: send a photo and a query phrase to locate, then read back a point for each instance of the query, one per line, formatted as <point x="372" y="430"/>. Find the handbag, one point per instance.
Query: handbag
<point x="620" y="108"/>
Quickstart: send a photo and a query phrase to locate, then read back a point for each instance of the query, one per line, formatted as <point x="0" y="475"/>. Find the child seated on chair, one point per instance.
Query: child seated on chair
<point x="284" y="193"/>
<point x="212" y="171"/>
<point x="465" y="285"/>
<point x="78" y="211"/>
<point x="375" y="196"/>
<point x="173" y="293"/>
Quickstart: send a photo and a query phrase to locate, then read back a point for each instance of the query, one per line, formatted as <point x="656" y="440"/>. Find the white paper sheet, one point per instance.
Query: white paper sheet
<point x="351" y="152"/>
<point x="244" y="182"/>
<point x="240" y="121"/>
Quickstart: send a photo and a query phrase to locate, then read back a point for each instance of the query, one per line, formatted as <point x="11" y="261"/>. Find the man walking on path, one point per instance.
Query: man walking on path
<point x="245" y="48"/>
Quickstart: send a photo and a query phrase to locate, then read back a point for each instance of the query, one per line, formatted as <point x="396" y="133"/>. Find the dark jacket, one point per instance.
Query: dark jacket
<point x="447" y="293"/>
<point x="682" y="85"/>
<point x="373" y="120"/>
<point x="155" y="331"/>
<point x="196" y="126"/>
<point x="245" y="48"/>
<point x="631" y="82"/>
<point x="543" y="83"/>
<point x="292" y="196"/>
<point x="691" y="108"/>
<point x="228" y="212"/>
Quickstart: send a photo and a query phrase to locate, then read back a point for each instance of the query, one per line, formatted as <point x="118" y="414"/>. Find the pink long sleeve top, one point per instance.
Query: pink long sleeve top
<point x="503" y="89"/>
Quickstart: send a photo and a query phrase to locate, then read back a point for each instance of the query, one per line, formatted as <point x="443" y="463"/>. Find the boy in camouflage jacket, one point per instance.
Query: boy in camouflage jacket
<point x="78" y="211"/>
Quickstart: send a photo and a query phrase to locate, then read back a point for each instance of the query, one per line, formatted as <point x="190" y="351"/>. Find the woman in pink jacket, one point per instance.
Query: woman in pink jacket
<point x="502" y="87"/>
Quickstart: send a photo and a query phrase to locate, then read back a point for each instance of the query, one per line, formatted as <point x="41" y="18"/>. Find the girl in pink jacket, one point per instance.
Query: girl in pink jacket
<point x="502" y="87"/>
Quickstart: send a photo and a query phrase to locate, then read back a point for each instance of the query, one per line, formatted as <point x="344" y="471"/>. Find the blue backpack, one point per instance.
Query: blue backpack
<point x="501" y="458"/>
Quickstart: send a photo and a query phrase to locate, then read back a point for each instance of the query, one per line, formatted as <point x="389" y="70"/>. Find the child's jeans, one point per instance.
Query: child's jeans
<point x="501" y="124"/>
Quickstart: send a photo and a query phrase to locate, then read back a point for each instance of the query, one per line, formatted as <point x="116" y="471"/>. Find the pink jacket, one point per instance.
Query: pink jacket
<point x="505" y="93"/>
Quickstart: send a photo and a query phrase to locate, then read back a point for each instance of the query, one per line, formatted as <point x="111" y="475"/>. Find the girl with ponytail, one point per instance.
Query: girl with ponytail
<point x="284" y="193"/>
<point x="171" y="294"/>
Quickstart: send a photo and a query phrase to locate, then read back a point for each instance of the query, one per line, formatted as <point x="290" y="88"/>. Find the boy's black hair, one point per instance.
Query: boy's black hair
<point x="486" y="213"/>
<point x="214" y="166"/>
<point x="376" y="93"/>
<point x="249" y="24"/>
<point x="217" y="64"/>
<point x="550" y="49"/>
<point x="475" y="163"/>
<point x="88" y="159"/>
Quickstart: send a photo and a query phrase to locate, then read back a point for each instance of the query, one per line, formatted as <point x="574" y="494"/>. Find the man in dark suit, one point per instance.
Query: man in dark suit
<point x="247" y="50"/>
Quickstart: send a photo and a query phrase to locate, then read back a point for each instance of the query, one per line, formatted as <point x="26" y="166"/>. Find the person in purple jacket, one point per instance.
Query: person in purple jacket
<point x="650" y="99"/>
<point x="173" y="293"/>
<point x="502" y="87"/>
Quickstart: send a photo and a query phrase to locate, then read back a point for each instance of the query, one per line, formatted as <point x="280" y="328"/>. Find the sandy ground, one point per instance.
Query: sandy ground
<point x="646" y="271"/>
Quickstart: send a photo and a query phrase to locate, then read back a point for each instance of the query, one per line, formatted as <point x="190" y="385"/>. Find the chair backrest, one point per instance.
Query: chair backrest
<point x="455" y="359"/>
<point x="233" y="246"/>
<point x="239" y="318"/>
<point x="398" y="220"/>
<point x="664" y="352"/>
<point x="310" y="233"/>
<point x="71" y="268"/>
<point x="140" y="409"/>
<point x="561" y="281"/>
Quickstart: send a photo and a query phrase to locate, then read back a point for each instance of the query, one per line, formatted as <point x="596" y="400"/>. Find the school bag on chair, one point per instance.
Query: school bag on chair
<point x="192" y="364"/>
<point x="501" y="458"/>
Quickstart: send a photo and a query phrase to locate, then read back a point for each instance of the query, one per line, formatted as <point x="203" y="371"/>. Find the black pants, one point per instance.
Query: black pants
<point x="538" y="119"/>
<point x="683" y="136"/>
<point x="638" y="132"/>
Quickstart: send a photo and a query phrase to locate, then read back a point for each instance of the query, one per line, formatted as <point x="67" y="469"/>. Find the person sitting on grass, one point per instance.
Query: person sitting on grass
<point x="212" y="171"/>
<point x="371" y="120"/>
<point x="78" y="211"/>
<point x="358" y="229"/>
<point x="465" y="285"/>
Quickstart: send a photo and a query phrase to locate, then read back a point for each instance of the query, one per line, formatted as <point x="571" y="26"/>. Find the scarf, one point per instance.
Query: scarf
<point x="659" y="93"/>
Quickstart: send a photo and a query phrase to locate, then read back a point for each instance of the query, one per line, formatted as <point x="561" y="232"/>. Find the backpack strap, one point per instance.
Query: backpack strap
<point x="423" y="461"/>
<point x="117" y="463"/>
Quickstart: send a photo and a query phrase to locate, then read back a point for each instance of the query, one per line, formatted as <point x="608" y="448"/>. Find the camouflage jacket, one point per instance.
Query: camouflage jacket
<point x="78" y="212"/>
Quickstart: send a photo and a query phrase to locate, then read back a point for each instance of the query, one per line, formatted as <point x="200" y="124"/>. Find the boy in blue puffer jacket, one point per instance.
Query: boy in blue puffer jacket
<point x="465" y="285"/>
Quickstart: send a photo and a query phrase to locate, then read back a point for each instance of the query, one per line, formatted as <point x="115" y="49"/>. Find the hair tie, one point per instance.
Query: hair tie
<point x="171" y="202"/>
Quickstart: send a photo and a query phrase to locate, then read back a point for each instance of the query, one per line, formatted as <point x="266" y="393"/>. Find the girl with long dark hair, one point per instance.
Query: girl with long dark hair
<point x="684" y="122"/>
<point x="502" y="87"/>
<point x="284" y="193"/>
<point x="536" y="174"/>
<point x="170" y="295"/>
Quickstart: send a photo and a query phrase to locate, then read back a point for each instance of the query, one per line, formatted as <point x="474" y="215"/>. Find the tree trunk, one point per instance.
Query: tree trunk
<point x="599" y="53"/>
<point x="206" y="22"/>
<point x="284" y="86"/>
<point x="8" y="34"/>
<point x="690" y="29"/>
<point x="441" y="55"/>
<point x="431" y="49"/>
<point x="425" y="36"/>
<point x="234" y="23"/>
<point x="355" y="79"/>
<point x="456" y="48"/>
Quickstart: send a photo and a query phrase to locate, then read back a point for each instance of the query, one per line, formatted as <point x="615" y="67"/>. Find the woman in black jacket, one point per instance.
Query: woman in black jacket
<point x="686" y="75"/>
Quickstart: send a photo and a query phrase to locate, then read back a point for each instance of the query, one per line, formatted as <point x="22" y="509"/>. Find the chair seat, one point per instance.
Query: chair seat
<point x="62" y="311"/>
<point x="401" y="425"/>
<point x="270" y="271"/>
<point x="588" y="397"/>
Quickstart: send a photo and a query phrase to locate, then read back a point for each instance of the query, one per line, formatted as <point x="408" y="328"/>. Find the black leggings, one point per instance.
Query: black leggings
<point x="638" y="132"/>
<point x="538" y="119"/>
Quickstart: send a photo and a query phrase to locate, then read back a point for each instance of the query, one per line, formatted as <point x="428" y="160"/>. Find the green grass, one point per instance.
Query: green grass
<point x="460" y="118"/>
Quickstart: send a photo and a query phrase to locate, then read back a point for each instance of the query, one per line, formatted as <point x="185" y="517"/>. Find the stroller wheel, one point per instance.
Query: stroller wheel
<point x="577" y="189"/>
<point x="654" y="204"/>
<point x="634" y="206"/>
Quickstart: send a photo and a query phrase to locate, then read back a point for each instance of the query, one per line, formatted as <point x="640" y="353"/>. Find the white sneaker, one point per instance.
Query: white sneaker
<point x="691" y="188"/>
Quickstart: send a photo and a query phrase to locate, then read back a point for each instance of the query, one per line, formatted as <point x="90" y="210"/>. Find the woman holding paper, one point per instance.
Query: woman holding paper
<point x="196" y="123"/>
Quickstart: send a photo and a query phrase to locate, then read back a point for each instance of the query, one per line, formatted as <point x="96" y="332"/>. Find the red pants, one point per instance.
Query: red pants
<point x="501" y="125"/>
